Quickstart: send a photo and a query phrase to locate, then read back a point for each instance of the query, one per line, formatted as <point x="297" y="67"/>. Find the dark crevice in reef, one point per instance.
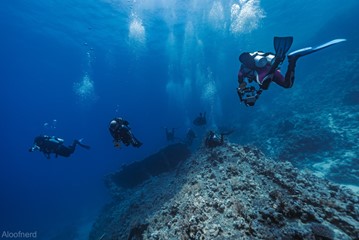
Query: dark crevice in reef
<point x="163" y="161"/>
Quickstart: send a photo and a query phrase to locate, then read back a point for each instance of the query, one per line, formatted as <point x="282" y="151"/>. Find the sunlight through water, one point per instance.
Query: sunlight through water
<point x="137" y="32"/>
<point x="245" y="16"/>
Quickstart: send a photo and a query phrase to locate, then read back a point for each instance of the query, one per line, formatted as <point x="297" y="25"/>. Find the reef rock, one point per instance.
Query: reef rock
<point x="230" y="192"/>
<point x="324" y="141"/>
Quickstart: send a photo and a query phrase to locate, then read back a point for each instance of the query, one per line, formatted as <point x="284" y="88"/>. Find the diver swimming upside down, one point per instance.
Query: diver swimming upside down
<point x="263" y="68"/>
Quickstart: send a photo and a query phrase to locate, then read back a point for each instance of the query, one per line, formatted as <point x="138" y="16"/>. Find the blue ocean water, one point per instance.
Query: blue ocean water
<point x="68" y="67"/>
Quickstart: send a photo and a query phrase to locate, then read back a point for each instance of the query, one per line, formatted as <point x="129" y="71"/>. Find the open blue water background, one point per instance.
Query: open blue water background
<point x="67" y="67"/>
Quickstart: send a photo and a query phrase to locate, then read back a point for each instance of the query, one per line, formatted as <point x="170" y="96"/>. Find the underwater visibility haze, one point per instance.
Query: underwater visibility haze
<point x="69" y="67"/>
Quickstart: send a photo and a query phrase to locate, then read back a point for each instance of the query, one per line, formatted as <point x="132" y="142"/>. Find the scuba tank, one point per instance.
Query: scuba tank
<point x="261" y="59"/>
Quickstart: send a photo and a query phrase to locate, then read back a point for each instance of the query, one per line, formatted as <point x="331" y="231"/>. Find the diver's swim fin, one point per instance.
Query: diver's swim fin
<point x="309" y="50"/>
<point x="79" y="142"/>
<point x="281" y="47"/>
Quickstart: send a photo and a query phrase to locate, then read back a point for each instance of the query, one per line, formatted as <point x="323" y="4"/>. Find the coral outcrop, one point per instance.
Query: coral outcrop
<point x="230" y="192"/>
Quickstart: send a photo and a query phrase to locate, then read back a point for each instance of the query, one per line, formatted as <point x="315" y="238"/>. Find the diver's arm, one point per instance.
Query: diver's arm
<point x="113" y="134"/>
<point x="116" y="137"/>
<point x="240" y="76"/>
<point x="34" y="148"/>
<point x="241" y="83"/>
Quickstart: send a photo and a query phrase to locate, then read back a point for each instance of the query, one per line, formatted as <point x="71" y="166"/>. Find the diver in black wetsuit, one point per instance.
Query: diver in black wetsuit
<point x="48" y="145"/>
<point x="121" y="131"/>
<point x="213" y="140"/>
<point x="170" y="135"/>
<point x="200" y="120"/>
<point x="190" y="136"/>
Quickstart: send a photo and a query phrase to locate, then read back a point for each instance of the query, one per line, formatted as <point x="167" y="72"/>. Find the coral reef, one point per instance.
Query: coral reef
<point x="230" y="192"/>
<point x="324" y="141"/>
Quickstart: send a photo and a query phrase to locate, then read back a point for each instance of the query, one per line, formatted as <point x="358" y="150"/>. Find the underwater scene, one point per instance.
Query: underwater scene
<point x="179" y="119"/>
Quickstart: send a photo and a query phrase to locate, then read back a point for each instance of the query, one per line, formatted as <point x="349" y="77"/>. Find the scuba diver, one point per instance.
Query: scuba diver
<point x="190" y="136"/>
<point x="259" y="69"/>
<point x="213" y="140"/>
<point x="200" y="120"/>
<point x="48" y="145"/>
<point x="120" y="131"/>
<point x="170" y="135"/>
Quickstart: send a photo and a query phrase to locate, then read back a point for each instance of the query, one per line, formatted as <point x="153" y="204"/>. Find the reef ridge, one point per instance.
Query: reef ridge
<point x="230" y="192"/>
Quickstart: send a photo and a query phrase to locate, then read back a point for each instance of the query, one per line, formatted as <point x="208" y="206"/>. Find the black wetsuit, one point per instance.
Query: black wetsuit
<point x="48" y="145"/>
<point x="122" y="132"/>
<point x="213" y="140"/>
<point x="200" y="120"/>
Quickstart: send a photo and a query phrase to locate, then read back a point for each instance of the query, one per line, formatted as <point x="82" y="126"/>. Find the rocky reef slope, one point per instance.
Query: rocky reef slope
<point x="230" y="192"/>
<point x="324" y="141"/>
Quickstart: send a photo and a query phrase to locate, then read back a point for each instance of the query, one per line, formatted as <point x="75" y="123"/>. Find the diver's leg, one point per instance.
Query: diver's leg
<point x="135" y="142"/>
<point x="65" y="151"/>
<point x="222" y="139"/>
<point x="289" y="75"/>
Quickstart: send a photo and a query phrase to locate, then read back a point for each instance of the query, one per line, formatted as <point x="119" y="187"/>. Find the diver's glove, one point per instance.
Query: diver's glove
<point x="116" y="143"/>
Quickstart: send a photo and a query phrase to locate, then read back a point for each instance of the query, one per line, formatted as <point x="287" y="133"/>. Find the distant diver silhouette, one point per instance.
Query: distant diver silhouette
<point x="170" y="134"/>
<point x="200" y="120"/>
<point x="54" y="145"/>
<point x="121" y="132"/>
<point x="190" y="136"/>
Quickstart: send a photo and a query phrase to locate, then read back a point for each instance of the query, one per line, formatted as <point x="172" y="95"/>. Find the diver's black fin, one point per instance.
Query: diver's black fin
<point x="136" y="143"/>
<point x="79" y="142"/>
<point x="281" y="47"/>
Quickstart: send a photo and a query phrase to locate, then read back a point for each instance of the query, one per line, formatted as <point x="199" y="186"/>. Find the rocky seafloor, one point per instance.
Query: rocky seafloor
<point x="230" y="192"/>
<point x="324" y="141"/>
